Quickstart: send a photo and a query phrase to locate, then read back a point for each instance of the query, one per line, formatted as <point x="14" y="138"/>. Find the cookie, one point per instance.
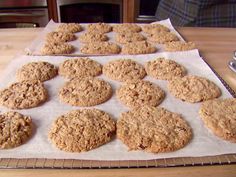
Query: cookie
<point x="138" y="93"/>
<point x="164" y="69"/>
<point x="23" y="95"/>
<point x="124" y="70"/>
<point x="85" y="92"/>
<point x="127" y="27"/>
<point x="92" y="37"/>
<point x="219" y="115"/>
<point x="82" y="130"/>
<point x="193" y="89"/>
<point x="60" y="37"/>
<point x="37" y="71"/>
<point x="99" y="28"/>
<point x="153" y="130"/>
<point x="69" y="27"/>
<point x="100" y="48"/>
<point x="57" y="49"/>
<point x="162" y="37"/>
<point x="79" y="67"/>
<point x="15" y="129"/>
<point x="154" y="28"/>
<point x="141" y="47"/>
<point x="179" y="46"/>
<point x="124" y="38"/>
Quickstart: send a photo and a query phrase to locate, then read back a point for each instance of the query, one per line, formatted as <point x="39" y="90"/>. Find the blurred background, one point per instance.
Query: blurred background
<point x="37" y="13"/>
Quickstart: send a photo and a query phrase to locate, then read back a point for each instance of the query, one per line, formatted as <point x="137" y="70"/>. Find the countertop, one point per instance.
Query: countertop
<point x="216" y="46"/>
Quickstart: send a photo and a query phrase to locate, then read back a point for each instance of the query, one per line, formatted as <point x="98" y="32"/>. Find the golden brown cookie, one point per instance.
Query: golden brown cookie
<point x="80" y="67"/>
<point x="23" y="95"/>
<point x="138" y="93"/>
<point x="129" y="37"/>
<point x="15" y="129"/>
<point x="85" y="92"/>
<point x="219" y="115"/>
<point x="164" y="69"/>
<point x="140" y="47"/>
<point x="37" y="71"/>
<point x="127" y="27"/>
<point x="69" y="27"/>
<point x="58" y="37"/>
<point x="57" y="48"/>
<point x="162" y="37"/>
<point x="100" y="48"/>
<point x="99" y="28"/>
<point x="154" y="28"/>
<point x="92" y="37"/>
<point x="193" y="89"/>
<point x="123" y="70"/>
<point x="179" y="46"/>
<point x="153" y="130"/>
<point x="82" y="130"/>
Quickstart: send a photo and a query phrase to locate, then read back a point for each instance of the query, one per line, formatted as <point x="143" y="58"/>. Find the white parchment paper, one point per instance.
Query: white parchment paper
<point x="204" y="143"/>
<point x="37" y="44"/>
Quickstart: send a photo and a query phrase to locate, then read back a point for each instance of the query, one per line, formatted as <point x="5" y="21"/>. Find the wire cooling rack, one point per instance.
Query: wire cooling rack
<point x="33" y="163"/>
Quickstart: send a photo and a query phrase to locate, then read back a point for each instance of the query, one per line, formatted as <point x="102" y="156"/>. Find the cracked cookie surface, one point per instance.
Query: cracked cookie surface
<point x="193" y="89"/>
<point x="164" y="69"/>
<point x="123" y="70"/>
<point x="219" y="115"/>
<point x="82" y="130"/>
<point x="153" y="130"/>
<point x="85" y="92"/>
<point x="37" y="71"/>
<point x="15" y="129"/>
<point x="80" y="67"/>
<point x="23" y="95"/>
<point x="139" y="93"/>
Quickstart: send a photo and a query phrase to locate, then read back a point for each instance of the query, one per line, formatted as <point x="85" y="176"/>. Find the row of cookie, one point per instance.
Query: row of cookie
<point x="122" y="38"/>
<point x="119" y="70"/>
<point x="134" y="93"/>
<point x="161" y="37"/>
<point x="146" y="128"/>
<point x="86" y="129"/>
<point x="106" y="28"/>
<point x="105" y="48"/>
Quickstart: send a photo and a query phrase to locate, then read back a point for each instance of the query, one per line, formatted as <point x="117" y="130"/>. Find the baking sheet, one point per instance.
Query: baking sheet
<point x="204" y="143"/>
<point x="37" y="44"/>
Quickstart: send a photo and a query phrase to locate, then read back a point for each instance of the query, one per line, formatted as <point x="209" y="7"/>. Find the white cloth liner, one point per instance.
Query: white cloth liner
<point x="204" y="143"/>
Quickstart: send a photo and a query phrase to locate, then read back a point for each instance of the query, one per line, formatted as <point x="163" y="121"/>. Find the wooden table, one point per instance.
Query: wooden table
<point x="216" y="46"/>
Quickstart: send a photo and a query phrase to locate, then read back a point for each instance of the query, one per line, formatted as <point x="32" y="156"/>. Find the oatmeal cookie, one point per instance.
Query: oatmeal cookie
<point x="219" y="115"/>
<point x="139" y="93"/>
<point x="85" y="92"/>
<point x="123" y="70"/>
<point x="164" y="69"/>
<point x="69" y="27"/>
<point x="140" y="47"/>
<point x="41" y="70"/>
<point x="124" y="38"/>
<point x="100" y="48"/>
<point x="82" y="130"/>
<point x="23" y="95"/>
<point x="153" y="130"/>
<point x="57" y="49"/>
<point x="193" y="89"/>
<point x="80" y="67"/>
<point x="15" y="129"/>
<point x="179" y="46"/>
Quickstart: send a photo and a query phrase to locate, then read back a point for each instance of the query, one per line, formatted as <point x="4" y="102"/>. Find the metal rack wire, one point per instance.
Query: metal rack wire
<point x="34" y="163"/>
